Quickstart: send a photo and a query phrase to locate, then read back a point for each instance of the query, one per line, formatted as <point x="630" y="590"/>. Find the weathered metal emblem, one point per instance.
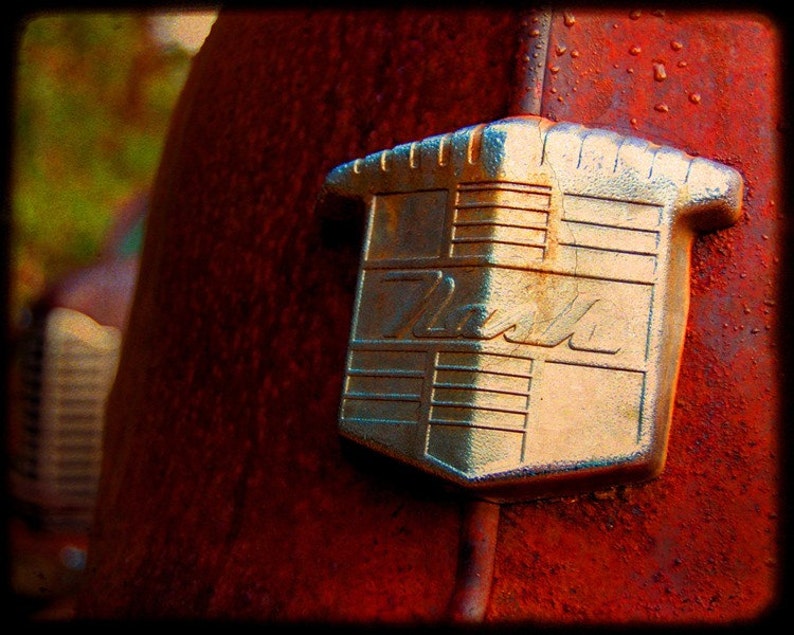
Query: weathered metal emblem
<point x="522" y="302"/>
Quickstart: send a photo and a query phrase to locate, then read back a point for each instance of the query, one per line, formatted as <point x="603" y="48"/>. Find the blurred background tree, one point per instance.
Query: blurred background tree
<point x="93" y="96"/>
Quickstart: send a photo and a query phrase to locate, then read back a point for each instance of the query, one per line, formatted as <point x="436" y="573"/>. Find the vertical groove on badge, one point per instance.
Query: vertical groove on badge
<point x="643" y="391"/>
<point x="474" y="149"/>
<point x="653" y="152"/>
<point x="543" y="142"/>
<point x="444" y="150"/>
<point x="617" y="154"/>
<point x="688" y="171"/>
<point x="385" y="160"/>
<point x="582" y="140"/>
<point x="413" y="155"/>
<point x="531" y="422"/>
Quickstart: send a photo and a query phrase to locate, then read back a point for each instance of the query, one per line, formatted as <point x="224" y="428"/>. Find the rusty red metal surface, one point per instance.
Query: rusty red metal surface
<point x="226" y="492"/>
<point x="698" y="544"/>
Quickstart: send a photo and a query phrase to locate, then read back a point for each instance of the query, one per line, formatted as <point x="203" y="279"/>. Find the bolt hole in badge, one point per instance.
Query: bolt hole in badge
<point x="522" y="301"/>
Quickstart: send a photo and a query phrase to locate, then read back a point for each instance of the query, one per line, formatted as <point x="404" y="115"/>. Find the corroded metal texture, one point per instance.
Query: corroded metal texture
<point x="700" y="544"/>
<point x="522" y="302"/>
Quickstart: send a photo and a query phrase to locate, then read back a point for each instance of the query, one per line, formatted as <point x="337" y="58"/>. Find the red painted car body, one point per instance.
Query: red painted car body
<point x="226" y="492"/>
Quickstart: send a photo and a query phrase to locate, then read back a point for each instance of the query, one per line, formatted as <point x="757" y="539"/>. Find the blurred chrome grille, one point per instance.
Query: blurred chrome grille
<point x="66" y="370"/>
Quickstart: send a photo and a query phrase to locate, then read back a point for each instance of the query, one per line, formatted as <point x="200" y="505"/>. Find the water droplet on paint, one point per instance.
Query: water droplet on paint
<point x="676" y="46"/>
<point x="694" y="98"/>
<point x="661" y="108"/>
<point x="635" y="50"/>
<point x="568" y="19"/>
<point x="659" y="72"/>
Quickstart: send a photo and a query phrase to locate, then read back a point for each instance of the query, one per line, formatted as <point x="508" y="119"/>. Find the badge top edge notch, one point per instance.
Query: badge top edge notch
<point x="592" y="160"/>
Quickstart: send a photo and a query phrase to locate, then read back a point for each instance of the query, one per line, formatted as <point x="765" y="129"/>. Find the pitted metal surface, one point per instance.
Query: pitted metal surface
<point x="522" y="301"/>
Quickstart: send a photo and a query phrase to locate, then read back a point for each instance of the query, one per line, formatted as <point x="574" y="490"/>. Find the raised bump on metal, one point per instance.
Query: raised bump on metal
<point x="522" y="300"/>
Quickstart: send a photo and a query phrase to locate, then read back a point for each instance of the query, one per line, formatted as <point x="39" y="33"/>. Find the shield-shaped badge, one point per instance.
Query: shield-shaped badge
<point x="522" y="301"/>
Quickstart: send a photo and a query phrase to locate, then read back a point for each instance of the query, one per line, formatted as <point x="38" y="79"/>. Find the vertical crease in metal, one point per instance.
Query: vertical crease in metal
<point x="533" y="48"/>
<point x="476" y="556"/>
<point x="480" y="522"/>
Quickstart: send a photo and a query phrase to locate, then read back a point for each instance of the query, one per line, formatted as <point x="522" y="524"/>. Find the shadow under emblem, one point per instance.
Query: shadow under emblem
<point x="522" y="300"/>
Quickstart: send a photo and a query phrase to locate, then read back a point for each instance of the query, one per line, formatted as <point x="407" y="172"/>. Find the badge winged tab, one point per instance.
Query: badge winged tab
<point x="522" y="301"/>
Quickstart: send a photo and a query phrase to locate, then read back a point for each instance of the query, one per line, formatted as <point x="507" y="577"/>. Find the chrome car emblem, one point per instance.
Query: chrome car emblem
<point x="522" y="301"/>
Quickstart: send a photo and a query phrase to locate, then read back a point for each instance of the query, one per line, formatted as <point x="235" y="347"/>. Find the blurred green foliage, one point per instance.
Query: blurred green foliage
<point x="93" y="97"/>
